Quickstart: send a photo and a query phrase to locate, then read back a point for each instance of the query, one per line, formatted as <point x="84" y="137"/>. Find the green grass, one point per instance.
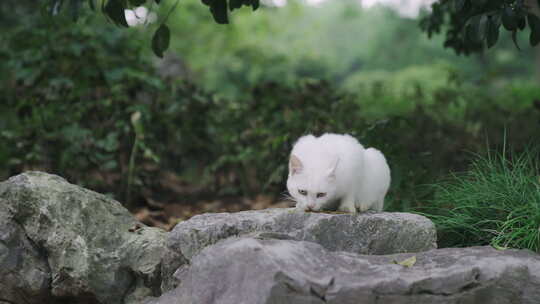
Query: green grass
<point x="496" y="202"/>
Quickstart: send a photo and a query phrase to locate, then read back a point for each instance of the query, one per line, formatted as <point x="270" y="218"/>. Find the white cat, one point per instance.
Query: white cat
<point x="335" y="172"/>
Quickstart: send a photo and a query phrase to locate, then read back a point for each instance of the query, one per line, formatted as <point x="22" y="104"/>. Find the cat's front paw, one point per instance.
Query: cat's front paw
<point x="363" y="208"/>
<point x="348" y="209"/>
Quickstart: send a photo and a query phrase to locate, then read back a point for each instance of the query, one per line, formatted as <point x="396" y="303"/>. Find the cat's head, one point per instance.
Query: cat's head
<point x="312" y="188"/>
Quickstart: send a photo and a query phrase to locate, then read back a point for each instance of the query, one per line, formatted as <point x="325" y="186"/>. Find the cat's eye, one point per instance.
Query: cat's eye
<point x="320" y="194"/>
<point x="303" y="192"/>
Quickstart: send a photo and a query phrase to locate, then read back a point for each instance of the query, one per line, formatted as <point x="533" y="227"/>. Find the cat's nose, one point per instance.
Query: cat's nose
<point x="311" y="205"/>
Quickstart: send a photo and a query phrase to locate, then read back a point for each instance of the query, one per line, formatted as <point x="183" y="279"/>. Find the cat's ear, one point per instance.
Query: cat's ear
<point x="331" y="173"/>
<point x="295" y="165"/>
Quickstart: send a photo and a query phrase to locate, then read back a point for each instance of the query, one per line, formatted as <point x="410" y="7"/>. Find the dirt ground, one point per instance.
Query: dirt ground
<point x="166" y="216"/>
<point x="171" y="200"/>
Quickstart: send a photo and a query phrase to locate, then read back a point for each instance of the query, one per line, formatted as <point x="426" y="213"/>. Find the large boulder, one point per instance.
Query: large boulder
<point x="61" y="242"/>
<point x="24" y="272"/>
<point x="369" y="233"/>
<point x="270" y="271"/>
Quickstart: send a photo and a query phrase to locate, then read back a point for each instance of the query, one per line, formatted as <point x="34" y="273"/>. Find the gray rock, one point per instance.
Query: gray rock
<point x="24" y="272"/>
<point x="61" y="241"/>
<point x="369" y="233"/>
<point x="254" y="271"/>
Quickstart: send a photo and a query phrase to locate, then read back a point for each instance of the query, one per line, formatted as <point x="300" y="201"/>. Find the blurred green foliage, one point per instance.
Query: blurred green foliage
<point x="68" y="92"/>
<point x="337" y="41"/>
<point x="224" y="107"/>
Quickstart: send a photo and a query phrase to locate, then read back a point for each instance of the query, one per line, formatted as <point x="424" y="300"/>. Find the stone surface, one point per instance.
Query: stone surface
<point x="270" y="271"/>
<point x="59" y="241"/>
<point x="369" y="233"/>
<point x="24" y="272"/>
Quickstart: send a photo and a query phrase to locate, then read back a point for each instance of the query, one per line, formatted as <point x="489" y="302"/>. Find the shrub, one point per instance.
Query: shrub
<point x="410" y="82"/>
<point x="68" y="95"/>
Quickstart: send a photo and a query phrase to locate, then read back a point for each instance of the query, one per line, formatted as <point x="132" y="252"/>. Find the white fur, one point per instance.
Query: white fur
<point x="353" y="178"/>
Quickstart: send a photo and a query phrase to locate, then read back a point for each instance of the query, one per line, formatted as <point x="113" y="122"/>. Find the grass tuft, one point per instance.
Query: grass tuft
<point x="496" y="202"/>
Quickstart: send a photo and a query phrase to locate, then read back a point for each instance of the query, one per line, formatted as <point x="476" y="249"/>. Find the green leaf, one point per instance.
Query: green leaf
<point x="478" y="3"/>
<point x="115" y="10"/>
<point x="522" y="23"/>
<point x="492" y="31"/>
<point x="161" y="39"/>
<point x="218" y="8"/>
<point x="534" y="24"/>
<point x="234" y="4"/>
<point x="137" y="2"/>
<point x="509" y="19"/>
<point x="475" y="29"/>
<point x="514" y="39"/>
<point x="458" y="5"/>
<point x="471" y="32"/>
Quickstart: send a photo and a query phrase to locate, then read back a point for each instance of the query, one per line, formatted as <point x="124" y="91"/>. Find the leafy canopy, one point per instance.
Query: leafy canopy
<point x="471" y="25"/>
<point x="114" y="10"/>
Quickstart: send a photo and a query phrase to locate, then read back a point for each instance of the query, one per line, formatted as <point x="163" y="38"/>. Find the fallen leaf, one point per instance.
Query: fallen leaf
<point x="407" y="262"/>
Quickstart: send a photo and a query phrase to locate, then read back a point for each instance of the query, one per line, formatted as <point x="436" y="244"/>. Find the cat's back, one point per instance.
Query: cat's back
<point x="304" y="145"/>
<point x="328" y="146"/>
<point x="339" y="142"/>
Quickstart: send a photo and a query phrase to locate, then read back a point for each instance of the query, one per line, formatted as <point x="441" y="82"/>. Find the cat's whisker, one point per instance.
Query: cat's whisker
<point x="288" y="198"/>
<point x="286" y="194"/>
